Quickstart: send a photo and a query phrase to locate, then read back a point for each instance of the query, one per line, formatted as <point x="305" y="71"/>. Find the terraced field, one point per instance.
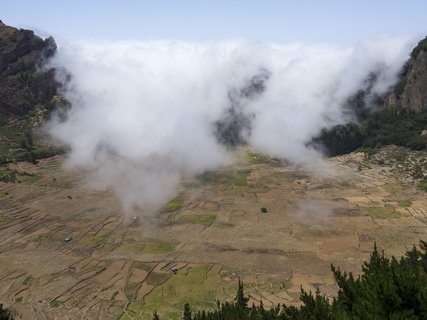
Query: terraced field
<point x="274" y="225"/>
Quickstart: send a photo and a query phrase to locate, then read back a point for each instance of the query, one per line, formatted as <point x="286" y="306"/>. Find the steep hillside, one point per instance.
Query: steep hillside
<point x="411" y="91"/>
<point x="26" y="92"/>
<point x="400" y="118"/>
<point x="22" y="87"/>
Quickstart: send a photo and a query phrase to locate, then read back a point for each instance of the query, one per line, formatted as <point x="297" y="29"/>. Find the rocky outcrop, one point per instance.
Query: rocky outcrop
<point x="410" y="93"/>
<point x="22" y="85"/>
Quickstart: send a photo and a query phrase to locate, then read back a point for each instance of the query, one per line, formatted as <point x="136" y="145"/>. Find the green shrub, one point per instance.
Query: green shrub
<point x="382" y="127"/>
<point x="423" y="186"/>
<point x="54" y="303"/>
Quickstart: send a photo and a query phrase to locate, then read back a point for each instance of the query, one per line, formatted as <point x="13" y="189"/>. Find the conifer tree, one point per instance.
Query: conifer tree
<point x="155" y="315"/>
<point x="187" y="312"/>
<point x="241" y="300"/>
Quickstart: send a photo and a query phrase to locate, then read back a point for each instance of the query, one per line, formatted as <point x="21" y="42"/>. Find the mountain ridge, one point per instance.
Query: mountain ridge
<point x="410" y="92"/>
<point x="28" y="92"/>
<point x="398" y="118"/>
<point x="22" y="84"/>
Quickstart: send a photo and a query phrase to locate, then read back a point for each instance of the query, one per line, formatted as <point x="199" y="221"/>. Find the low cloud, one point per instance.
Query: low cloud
<point x="146" y="113"/>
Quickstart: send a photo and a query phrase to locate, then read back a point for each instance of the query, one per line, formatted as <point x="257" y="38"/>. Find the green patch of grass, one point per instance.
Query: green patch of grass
<point x="3" y="194"/>
<point x="382" y="212"/>
<point x="130" y="290"/>
<point x="90" y="210"/>
<point x="17" y="142"/>
<point x="423" y="186"/>
<point x="19" y="299"/>
<point x="406" y="203"/>
<point x="12" y="135"/>
<point x="29" y="179"/>
<point x="208" y="177"/>
<point x="257" y="158"/>
<point x="136" y="247"/>
<point x="200" y="286"/>
<point x="158" y="247"/>
<point x="146" y="266"/>
<point x="261" y="184"/>
<point x="42" y="237"/>
<point x="6" y="218"/>
<point x="224" y="225"/>
<point x="31" y="156"/>
<point x="238" y="178"/>
<point x="28" y="280"/>
<point x="65" y="184"/>
<point x="235" y="180"/>
<point x="54" y="303"/>
<point x="62" y="183"/>
<point x="205" y="219"/>
<point x="393" y="188"/>
<point x="259" y="188"/>
<point x="134" y="309"/>
<point x="349" y="212"/>
<point x="92" y="238"/>
<point x="157" y="278"/>
<point x="173" y="205"/>
<point x="8" y="175"/>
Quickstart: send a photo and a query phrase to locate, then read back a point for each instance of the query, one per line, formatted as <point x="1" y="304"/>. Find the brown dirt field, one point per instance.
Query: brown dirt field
<point x="113" y="263"/>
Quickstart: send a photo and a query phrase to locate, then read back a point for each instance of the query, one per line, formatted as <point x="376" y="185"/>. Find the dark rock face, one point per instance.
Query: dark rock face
<point x="235" y="125"/>
<point x="399" y="118"/>
<point x="410" y="94"/>
<point x="359" y="105"/>
<point x="22" y="85"/>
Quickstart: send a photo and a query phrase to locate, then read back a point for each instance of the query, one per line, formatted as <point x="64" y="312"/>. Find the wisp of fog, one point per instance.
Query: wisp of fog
<point x="146" y="113"/>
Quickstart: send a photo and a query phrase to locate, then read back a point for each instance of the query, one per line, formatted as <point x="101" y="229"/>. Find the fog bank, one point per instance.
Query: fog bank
<point x="145" y="113"/>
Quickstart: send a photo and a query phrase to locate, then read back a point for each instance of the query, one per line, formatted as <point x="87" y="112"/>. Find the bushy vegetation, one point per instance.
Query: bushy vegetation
<point x="33" y="155"/>
<point x="388" y="288"/>
<point x="379" y="128"/>
<point x="17" y="144"/>
<point x="423" y="186"/>
<point x="5" y="314"/>
<point x="9" y="175"/>
<point x="54" y="303"/>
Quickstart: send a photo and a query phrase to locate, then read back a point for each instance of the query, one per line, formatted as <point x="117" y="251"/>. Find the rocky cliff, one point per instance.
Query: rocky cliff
<point x="22" y="85"/>
<point x="410" y="93"/>
<point x="401" y="119"/>
<point x="26" y="93"/>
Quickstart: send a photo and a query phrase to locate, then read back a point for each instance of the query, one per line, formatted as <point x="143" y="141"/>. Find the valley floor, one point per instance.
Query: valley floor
<point x="274" y="225"/>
